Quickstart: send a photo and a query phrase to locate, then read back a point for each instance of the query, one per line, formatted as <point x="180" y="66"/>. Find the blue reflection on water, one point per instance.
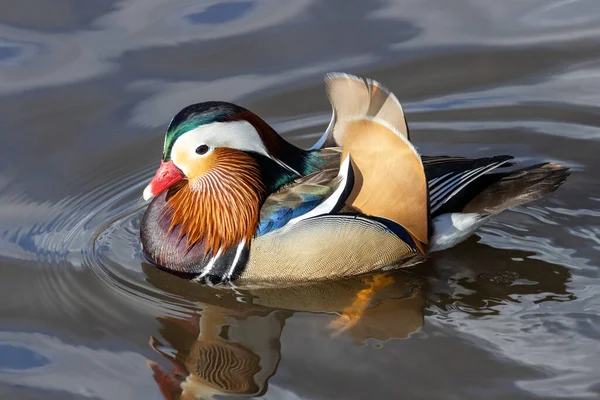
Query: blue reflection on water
<point x="13" y="357"/>
<point x="8" y="52"/>
<point x="221" y="13"/>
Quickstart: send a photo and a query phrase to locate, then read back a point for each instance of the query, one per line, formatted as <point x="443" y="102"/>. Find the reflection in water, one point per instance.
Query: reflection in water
<point x="233" y="345"/>
<point x="479" y="280"/>
<point x="215" y="353"/>
<point x="489" y="297"/>
<point x="20" y="358"/>
<point x="221" y="13"/>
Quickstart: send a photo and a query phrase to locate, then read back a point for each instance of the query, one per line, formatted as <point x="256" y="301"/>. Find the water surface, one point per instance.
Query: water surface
<point x="86" y="92"/>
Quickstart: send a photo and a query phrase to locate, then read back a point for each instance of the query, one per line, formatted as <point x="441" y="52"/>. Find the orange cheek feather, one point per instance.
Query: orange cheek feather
<point x="219" y="204"/>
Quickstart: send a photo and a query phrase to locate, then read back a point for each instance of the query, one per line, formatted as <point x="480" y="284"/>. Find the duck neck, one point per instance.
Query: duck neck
<point x="287" y="161"/>
<point x="276" y="174"/>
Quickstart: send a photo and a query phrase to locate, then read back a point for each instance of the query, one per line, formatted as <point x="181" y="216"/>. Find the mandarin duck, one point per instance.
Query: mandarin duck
<point x="232" y="201"/>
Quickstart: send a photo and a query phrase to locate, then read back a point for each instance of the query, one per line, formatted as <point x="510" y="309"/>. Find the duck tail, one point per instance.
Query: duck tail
<point x="352" y="97"/>
<point x="518" y="187"/>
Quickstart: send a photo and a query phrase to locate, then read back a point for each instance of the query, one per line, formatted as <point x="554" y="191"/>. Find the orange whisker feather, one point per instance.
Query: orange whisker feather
<point x="221" y="207"/>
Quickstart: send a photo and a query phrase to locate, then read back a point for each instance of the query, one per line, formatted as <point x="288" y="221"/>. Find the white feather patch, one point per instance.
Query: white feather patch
<point x="240" y="135"/>
<point x="452" y="228"/>
<point x="236" y="259"/>
<point x="209" y="266"/>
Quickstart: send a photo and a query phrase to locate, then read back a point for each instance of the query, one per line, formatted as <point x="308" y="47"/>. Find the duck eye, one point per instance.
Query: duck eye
<point x="202" y="149"/>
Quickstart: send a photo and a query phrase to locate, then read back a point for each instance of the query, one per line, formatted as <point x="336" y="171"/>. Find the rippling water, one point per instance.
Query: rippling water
<point x="86" y="91"/>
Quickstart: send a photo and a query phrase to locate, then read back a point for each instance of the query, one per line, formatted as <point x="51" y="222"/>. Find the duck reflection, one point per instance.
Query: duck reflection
<point x="232" y="346"/>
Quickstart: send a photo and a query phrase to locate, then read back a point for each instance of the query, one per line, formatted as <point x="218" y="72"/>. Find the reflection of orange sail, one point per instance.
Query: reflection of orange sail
<point x="379" y="306"/>
<point x="368" y="317"/>
<point x="391" y="319"/>
<point x="353" y="313"/>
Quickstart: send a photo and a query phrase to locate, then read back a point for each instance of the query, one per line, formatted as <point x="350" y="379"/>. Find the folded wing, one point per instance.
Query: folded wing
<point x="318" y="193"/>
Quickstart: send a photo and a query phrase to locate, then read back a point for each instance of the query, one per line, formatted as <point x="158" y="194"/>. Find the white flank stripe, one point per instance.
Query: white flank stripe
<point x="238" y="254"/>
<point x="210" y="265"/>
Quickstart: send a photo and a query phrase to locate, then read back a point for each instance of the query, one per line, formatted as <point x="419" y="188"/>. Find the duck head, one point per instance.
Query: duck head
<point x="202" y="134"/>
<point x="219" y="163"/>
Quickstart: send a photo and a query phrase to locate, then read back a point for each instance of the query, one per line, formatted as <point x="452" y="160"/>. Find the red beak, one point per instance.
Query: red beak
<point x="166" y="175"/>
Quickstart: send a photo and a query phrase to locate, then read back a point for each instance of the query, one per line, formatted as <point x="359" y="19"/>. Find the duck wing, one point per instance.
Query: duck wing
<point x="460" y="184"/>
<point x="311" y="231"/>
<point x="453" y="181"/>
<point x="321" y="192"/>
<point x="464" y="199"/>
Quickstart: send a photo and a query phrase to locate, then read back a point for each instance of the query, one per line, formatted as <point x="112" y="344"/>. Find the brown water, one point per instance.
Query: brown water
<point x="86" y="91"/>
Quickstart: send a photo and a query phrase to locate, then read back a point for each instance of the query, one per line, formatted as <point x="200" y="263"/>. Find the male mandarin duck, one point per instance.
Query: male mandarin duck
<point x="234" y="201"/>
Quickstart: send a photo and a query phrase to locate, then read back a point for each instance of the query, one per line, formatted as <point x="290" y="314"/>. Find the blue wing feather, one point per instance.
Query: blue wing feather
<point x="279" y="215"/>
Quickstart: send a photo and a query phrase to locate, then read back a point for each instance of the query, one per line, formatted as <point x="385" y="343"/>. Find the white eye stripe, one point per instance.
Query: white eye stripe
<point x="240" y="135"/>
